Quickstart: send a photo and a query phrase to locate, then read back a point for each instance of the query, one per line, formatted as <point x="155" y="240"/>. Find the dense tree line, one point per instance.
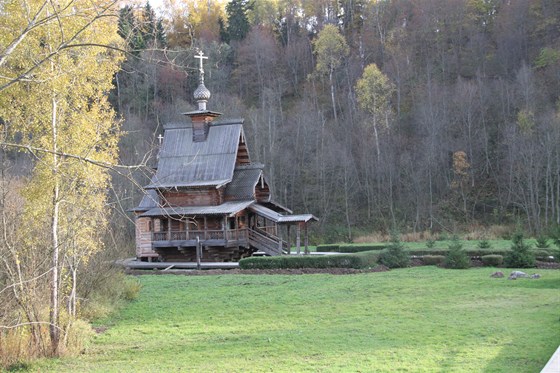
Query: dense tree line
<point x="426" y="115"/>
<point x="456" y="121"/>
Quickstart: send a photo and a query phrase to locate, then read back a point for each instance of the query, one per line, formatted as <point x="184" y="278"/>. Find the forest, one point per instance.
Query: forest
<point x="438" y="116"/>
<point x="425" y="115"/>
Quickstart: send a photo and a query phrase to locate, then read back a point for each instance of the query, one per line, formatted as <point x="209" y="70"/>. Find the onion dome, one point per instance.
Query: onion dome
<point x="202" y="93"/>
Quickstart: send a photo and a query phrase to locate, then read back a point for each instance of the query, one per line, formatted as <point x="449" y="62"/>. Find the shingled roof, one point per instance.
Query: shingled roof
<point x="245" y="178"/>
<point x="185" y="163"/>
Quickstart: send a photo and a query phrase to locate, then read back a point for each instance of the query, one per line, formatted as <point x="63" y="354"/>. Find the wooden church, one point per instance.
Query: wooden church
<point x="207" y="201"/>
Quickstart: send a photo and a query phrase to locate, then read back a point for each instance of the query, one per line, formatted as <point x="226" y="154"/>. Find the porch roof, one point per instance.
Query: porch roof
<point x="279" y="218"/>
<point x="228" y="208"/>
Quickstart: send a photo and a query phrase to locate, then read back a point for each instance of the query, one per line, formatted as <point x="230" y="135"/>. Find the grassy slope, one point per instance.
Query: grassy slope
<point x="416" y="319"/>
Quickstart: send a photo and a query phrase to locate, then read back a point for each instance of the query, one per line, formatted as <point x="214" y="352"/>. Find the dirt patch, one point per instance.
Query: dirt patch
<point x="548" y="265"/>
<point x="100" y="329"/>
<point x="302" y="271"/>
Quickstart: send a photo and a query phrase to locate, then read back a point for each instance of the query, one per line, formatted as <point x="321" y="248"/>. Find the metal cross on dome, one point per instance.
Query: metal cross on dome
<point x="201" y="57"/>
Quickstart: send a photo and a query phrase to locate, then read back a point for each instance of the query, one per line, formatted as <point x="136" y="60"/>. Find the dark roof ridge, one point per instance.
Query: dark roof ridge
<point x="226" y="121"/>
<point x="250" y="166"/>
<point x="221" y="122"/>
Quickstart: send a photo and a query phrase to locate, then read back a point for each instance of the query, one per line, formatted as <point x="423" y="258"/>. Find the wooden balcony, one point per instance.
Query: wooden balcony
<point x="227" y="238"/>
<point x="256" y="238"/>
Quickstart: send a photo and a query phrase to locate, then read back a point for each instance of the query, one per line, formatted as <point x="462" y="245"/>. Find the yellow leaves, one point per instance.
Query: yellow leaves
<point x="193" y="19"/>
<point x="61" y="106"/>
<point x="526" y="121"/>
<point x="461" y="168"/>
<point x="331" y="49"/>
<point x="460" y="163"/>
<point x="374" y="90"/>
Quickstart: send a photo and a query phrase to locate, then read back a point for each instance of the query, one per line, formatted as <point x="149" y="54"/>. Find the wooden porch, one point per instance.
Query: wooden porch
<point x="184" y="238"/>
<point x="256" y="238"/>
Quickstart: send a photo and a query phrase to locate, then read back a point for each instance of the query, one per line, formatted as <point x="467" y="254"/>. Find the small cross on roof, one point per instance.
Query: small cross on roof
<point x="201" y="57"/>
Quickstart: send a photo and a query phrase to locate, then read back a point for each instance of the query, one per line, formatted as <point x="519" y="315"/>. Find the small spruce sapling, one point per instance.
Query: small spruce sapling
<point x="542" y="242"/>
<point x="484" y="244"/>
<point x="456" y="257"/>
<point x="519" y="255"/>
<point x="395" y="256"/>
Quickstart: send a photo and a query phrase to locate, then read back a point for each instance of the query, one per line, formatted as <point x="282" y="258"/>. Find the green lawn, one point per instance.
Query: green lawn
<point x="416" y="319"/>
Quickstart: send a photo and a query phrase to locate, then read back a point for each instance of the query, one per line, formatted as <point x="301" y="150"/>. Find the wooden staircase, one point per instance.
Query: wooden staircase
<point x="267" y="243"/>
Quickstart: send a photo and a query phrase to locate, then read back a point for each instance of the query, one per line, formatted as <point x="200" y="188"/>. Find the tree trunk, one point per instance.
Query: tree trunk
<point x="332" y="96"/>
<point x="54" y="309"/>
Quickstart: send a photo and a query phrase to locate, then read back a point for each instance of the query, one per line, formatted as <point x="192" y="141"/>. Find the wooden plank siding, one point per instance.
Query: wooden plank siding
<point x="262" y="192"/>
<point x="144" y="238"/>
<point x="242" y="152"/>
<point x="196" y="197"/>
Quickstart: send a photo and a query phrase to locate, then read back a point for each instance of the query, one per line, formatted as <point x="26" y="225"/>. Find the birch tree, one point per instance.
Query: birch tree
<point x="55" y="74"/>
<point x="331" y="50"/>
<point x="374" y="92"/>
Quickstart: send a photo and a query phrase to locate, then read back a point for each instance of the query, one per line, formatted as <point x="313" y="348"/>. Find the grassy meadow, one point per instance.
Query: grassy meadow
<point x="415" y="319"/>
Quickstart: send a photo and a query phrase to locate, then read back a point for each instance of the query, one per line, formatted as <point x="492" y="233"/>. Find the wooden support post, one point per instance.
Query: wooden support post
<point x="280" y="240"/>
<point x="225" y="227"/>
<point x="298" y="239"/>
<point x="289" y="242"/>
<point x="198" y="253"/>
<point x="205" y="228"/>
<point x="306" y="239"/>
<point x="169" y="228"/>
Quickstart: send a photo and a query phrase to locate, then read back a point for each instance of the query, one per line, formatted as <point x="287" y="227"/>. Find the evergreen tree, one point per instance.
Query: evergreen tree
<point x="395" y="256"/>
<point x="129" y="30"/>
<point x="141" y="31"/>
<point x="149" y="24"/>
<point x="238" y="21"/>
<point x="519" y="255"/>
<point x="456" y="257"/>
<point x="161" y="38"/>
<point x="224" y="35"/>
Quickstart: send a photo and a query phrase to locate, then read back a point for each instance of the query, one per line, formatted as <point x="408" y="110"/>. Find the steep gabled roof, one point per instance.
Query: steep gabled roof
<point x="185" y="163"/>
<point x="245" y="179"/>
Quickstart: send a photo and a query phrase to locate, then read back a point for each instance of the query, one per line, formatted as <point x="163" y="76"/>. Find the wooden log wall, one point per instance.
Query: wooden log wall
<point x="144" y="238"/>
<point x="197" y="197"/>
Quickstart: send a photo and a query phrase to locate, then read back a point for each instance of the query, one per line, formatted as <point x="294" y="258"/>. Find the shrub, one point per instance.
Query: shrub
<point x="395" y="256"/>
<point x="555" y="254"/>
<point x="431" y="243"/>
<point x="362" y="247"/>
<point x="357" y="260"/>
<point x="484" y="244"/>
<point x="492" y="260"/>
<point x="131" y="288"/>
<point x="456" y="257"/>
<point x="554" y="234"/>
<point x="327" y="248"/>
<point x="79" y="336"/>
<point x="542" y="242"/>
<point x="423" y="252"/>
<point x="519" y="256"/>
<point x="431" y="260"/>
<point x="443" y="236"/>
<point x="542" y="253"/>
